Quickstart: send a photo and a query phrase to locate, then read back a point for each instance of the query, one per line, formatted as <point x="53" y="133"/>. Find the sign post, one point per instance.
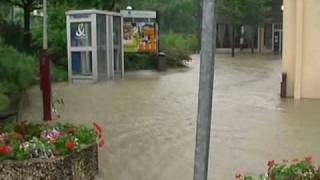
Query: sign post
<point x="205" y="95"/>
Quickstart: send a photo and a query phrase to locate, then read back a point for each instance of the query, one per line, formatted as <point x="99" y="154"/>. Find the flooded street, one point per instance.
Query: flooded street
<point x="150" y="119"/>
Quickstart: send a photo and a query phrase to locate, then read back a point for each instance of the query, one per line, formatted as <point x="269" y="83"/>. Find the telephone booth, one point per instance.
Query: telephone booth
<point x="95" y="48"/>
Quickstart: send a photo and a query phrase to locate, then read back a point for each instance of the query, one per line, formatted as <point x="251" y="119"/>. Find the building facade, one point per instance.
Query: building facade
<point x="267" y="38"/>
<point x="301" y="50"/>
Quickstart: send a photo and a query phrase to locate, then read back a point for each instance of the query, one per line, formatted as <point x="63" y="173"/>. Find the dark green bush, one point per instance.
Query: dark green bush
<point x="4" y="101"/>
<point x="11" y="34"/>
<point x="17" y="72"/>
<point x="16" y="69"/>
<point x="135" y="61"/>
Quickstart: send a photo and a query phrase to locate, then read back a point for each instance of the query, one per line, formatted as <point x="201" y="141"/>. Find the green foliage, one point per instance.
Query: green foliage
<point x="253" y="12"/>
<point x="11" y="34"/>
<point x="17" y="70"/>
<point x="4" y="102"/>
<point x="247" y="12"/>
<point x="176" y="16"/>
<point x="8" y="127"/>
<point x="178" y="47"/>
<point x="86" y="135"/>
<point x="59" y="73"/>
<point x="135" y="61"/>
<point x="230" y="10"/>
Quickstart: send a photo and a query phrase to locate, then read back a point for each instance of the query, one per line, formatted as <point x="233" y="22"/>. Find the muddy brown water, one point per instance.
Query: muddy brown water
<point x="149" y="120"/>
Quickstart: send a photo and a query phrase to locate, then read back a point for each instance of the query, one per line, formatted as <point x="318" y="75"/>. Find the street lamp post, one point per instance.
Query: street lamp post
<point x="45" y="72"/>
<point x="208" y="40"/>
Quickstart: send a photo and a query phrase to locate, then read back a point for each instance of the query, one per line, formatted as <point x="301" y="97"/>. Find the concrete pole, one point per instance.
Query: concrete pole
<point x="208" y="41"/>
<point x="45" y="25"/>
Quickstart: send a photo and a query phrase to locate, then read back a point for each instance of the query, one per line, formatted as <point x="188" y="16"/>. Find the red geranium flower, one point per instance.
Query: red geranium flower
<point x="98" y="128"/>
<point x="271" y="163"/>
<point x="6" y="149"/>
<point x="101" y="143"/>
<point x="70" y="145"/>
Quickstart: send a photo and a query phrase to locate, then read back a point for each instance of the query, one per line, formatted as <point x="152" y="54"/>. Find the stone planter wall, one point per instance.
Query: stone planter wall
<point x="82" y="165"/>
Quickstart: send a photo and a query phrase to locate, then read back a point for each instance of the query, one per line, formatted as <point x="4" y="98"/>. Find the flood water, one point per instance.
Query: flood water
<point x="150" y="118"/>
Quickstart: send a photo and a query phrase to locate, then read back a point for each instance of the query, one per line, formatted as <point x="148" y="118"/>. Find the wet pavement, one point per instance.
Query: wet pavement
<point x="150" y="118"/>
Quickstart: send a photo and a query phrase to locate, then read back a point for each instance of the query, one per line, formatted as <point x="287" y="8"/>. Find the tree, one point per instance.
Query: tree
<point x="229" y="11"/>
<point x="28" y="6"/>
<point x="253" y="13"/>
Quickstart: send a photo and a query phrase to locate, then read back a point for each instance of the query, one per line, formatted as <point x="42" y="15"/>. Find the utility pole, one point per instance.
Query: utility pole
<point x="45" y="71"/>
<point x="45" y="25"/>
<point x="208" y="41"/>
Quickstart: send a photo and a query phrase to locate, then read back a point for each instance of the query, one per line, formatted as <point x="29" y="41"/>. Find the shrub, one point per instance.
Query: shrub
<point x="294" y="170"/>
<point x="178" y="47"/>
<point x="17" y="70"/>
<point x="4" y="102"/>
<point x="135" y="61"/>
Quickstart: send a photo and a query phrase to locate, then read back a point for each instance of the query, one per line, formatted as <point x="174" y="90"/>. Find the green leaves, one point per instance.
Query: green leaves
<point x="85" y="135"/>
<point x="17" y="70"/>
<point x="248" y="12"/>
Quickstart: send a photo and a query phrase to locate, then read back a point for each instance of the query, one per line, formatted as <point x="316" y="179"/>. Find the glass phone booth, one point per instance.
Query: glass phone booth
<point x="95" y="47"/>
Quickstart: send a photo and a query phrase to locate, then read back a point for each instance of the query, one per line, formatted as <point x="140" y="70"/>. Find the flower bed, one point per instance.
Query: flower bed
<point x="50" y="151"/>
<point x="286" y="170"/>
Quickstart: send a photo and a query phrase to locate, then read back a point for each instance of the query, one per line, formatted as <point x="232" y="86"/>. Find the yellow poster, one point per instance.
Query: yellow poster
<point x="140" y="37"/>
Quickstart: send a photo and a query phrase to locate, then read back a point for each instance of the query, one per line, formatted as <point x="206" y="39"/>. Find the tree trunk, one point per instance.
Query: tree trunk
<point x="27" y="33"/>
<point x="232" y="42"/>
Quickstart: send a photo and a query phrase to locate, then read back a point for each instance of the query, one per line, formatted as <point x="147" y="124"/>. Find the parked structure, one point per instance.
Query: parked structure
<point x="95" y="48"/>
<point x="301" y="50"/>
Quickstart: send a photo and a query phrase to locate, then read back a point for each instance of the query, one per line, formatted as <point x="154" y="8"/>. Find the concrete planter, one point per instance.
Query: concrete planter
<point x="82" y="165"/>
